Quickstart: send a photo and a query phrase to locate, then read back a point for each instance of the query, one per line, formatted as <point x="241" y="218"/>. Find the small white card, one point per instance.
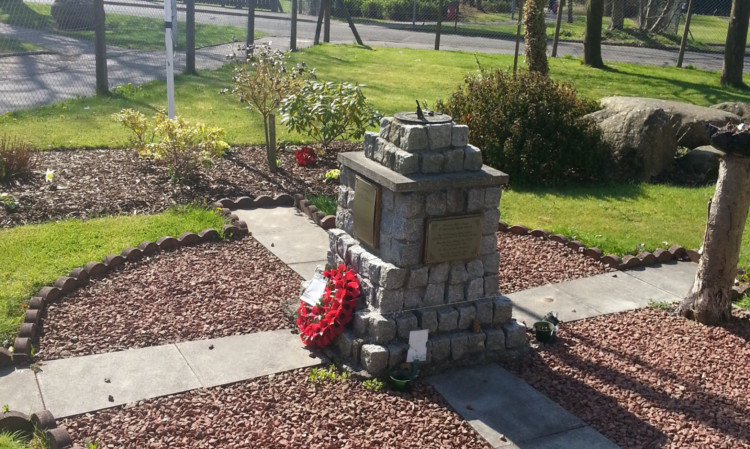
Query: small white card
<point x="314" y="290"/>
<point x="417" y="345"/>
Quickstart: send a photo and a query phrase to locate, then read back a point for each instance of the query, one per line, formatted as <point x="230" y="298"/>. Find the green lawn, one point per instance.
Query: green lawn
<point x="138" y="33"/>
<point x="36" y="255"/>
<point x="86" y="122"/>
<point x="618" y="218"/>
<point x="705" y="30"/>
<point x="9" y="45"/>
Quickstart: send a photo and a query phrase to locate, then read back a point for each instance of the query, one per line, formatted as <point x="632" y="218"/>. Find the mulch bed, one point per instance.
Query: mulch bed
<point x="92" y="183"/>
<point x="282" y="411"/>
<point x="206" y="291"/>
<point x="648" y="379"/>
<point x="222" y="289"/>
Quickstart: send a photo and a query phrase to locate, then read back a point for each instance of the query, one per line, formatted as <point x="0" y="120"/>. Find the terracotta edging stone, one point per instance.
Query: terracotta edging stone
<point x="643" y="259"/>
<point x="13" y="421"/>
<point x="28" y="332"/>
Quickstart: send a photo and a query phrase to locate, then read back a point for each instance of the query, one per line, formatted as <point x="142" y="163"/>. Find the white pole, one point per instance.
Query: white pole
<point x="168" y="24"/>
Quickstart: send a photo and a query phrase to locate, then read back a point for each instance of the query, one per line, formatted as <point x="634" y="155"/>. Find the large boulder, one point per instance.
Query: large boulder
<point x="690" y="122"/>
<point x="642" y="139"/>
<point x="735" y="107"/>
<point x="700" y="165"/>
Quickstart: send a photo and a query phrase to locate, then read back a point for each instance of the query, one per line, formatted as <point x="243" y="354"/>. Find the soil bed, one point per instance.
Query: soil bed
<point x="92" y="183"/>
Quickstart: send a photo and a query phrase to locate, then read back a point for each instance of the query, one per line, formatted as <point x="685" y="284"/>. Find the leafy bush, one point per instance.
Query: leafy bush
<point x="173" y="143"/>
<point x="530" y="127"/>
<point x="327" y="111"/>
<point x="372" y="9"/>
<point x="16" y="158"/>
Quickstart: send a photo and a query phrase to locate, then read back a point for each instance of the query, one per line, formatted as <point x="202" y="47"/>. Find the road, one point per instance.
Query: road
<point x="68" y="70"/>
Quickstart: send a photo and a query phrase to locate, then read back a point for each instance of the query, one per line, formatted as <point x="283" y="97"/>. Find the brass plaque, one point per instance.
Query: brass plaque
<point x="453" y="239"/>
<point x="365" y="211"/>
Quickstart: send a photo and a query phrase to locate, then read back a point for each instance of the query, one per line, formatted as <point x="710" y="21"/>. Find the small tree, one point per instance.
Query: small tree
<point x="263" y="80"/>
<point x="328" y="111"/>
<point x="535" y="37"/>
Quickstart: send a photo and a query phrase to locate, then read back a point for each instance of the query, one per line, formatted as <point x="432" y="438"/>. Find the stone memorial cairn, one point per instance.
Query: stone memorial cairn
<point x="427" y="258"/>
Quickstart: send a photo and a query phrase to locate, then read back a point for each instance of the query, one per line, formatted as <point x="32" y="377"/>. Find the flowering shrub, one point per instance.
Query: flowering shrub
<point x="319" y="325"/>
<point x="173" y="143"/>
<point x="332" y="175"/>
<point x="305" y="156"/>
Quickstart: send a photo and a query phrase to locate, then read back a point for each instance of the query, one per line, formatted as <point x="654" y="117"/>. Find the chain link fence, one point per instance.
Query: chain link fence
<point x="47" y="47"/>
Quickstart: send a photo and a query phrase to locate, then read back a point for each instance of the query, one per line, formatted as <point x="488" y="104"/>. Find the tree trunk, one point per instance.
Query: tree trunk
<point x="663" y="20"/>
<point x="709" y="301"/>
<point x="592" y="39"/>
<point x="617" y="19"/>
<point x="734" y="51"/>
<point x="649" y="15"/>
<point x="570" y="11"/>
<point x="535" y="36"/>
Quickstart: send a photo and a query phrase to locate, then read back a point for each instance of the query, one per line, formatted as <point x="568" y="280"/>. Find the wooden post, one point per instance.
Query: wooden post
<point x="271" y="143"/>
<point x="190" y="37"/>
<point x="343" y="7"/>
<point x="100" y="48"/>
<point x="319" y="24"/>
<point x="293" y="38"/>
<point x="439" y="24"/>
<point x="250" y="38"/>
<point x="557" y="27"/>
<point x="683" y="43"/>
<point x="518" y="36"/>
<point x="327" y="23"/>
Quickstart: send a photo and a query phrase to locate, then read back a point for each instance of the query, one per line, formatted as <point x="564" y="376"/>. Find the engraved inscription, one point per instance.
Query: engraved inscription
<point x="453" y="239"/>
<point x="365" y="211"/>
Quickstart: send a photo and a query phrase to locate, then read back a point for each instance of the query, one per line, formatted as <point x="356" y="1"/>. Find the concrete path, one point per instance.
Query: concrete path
<point x="605" y="293"/>
<point x="290" y="235"/>
<point x="509" y="413"/>
<point x="78" y="385"/>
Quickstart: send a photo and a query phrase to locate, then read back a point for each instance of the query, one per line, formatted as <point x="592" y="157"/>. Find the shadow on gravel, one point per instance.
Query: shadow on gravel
<point x="602" y="412"/>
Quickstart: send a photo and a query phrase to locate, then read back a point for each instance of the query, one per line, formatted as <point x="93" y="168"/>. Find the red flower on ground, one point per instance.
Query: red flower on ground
<point x="320" y="325"/>
<point x="305" y="156"/>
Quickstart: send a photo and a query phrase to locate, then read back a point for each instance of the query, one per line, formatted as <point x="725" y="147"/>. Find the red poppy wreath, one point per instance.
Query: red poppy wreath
<point x="319" y="325"/>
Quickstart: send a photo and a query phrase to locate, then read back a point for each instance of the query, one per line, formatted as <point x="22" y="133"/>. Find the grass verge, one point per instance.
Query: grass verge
<point x="9" y="45"/>
<point x="124" y="31"/>
<point x="36" y="255"/>
<point x="618" y="219"/>
<point x="86" y="123"/>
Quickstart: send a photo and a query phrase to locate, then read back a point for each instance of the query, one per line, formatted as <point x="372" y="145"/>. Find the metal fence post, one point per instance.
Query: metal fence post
<point x="100" y="48"/>
<point x="190" y="37"/>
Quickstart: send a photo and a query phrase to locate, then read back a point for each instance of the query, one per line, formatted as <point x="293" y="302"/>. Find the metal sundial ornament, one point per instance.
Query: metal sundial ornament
<point x="422" y="117"/>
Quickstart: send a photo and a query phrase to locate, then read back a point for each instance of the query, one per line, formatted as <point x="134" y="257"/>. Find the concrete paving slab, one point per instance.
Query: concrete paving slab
<point x="673" y="277"/>
<point x="287" y="233"/>
<point x="78" y="385"/>
<point x="531" y="305"/>
<point x="242" y="357"/>
<point x="18" y="390"/>
<point x="583" y="437"/>
<point x="614" y="292"/>
<point x="307" y="269"/>
<point x="497" y="404"/>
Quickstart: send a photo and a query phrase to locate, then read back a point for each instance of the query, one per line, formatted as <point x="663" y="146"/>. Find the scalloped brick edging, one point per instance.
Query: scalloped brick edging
<point x="28" y="332"/>
<point x="643" y="259"/>
<point x="282" y="200"/>
<point x="13" y="421"/>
